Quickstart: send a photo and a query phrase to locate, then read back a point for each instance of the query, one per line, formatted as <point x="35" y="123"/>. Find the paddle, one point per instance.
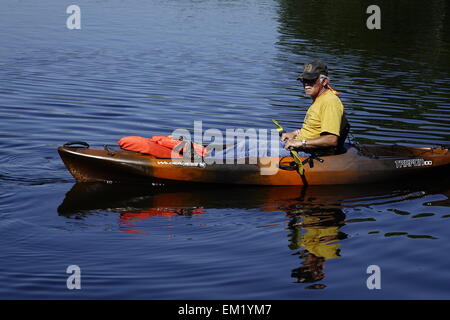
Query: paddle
<point x="298" y="161"/>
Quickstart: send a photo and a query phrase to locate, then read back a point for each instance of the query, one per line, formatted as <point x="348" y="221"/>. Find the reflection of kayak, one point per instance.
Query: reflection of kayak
<point x="85" y="198"/>
<point x="378" y="164"/>
<point x="121" y="198"/>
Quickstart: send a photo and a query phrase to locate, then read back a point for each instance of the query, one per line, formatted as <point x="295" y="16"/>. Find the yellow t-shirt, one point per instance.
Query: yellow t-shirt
<point x="326" y="114"/>
<point x="312" y="241"/>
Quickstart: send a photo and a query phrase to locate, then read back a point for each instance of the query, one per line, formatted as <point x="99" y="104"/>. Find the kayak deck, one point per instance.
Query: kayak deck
<point x="381" y="163"/>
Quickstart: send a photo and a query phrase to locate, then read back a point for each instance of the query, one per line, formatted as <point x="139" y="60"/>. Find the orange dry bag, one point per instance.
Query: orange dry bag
<point x="145" y="145"/>
<point x="158" y="146"/>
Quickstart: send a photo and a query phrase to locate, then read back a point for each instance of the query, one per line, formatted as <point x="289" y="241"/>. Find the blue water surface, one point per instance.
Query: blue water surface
<point x="148" y="67"/>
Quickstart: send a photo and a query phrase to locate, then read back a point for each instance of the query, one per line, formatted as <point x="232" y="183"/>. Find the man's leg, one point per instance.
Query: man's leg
<point x="249" y="148"/>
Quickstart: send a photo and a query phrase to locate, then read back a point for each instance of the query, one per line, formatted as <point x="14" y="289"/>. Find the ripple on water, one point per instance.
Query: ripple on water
<point x="31" y="168"/>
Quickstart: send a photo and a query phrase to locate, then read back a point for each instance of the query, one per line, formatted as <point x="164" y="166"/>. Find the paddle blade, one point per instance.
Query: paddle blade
<point x="298" y="161"/>
<point x="279" y="128"/>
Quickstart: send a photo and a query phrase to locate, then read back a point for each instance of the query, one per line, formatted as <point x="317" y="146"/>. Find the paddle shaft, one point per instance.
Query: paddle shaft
<point x="294" y="153"/>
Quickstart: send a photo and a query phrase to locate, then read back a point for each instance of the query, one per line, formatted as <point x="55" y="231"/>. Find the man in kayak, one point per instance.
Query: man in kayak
<point x="324" y="126"/>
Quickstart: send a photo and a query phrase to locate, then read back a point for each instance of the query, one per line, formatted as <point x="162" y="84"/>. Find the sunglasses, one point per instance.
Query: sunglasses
<point x="309" y="82"/>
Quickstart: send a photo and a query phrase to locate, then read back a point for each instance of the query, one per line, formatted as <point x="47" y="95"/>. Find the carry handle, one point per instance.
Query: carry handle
<point x="72" y="143"/>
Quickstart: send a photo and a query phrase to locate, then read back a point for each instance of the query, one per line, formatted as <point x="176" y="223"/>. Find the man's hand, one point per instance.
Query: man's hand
<point x="288" y="135"/>
<point x="292" y="144"/>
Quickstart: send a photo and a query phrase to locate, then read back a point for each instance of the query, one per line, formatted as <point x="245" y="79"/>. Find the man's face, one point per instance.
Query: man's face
<point x="312" y="87"/>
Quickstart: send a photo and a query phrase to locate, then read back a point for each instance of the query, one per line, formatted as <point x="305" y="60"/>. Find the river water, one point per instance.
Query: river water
<point x="148" y="67"/>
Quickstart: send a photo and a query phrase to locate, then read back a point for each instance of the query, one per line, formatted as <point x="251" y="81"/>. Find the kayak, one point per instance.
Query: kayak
<point x="358" y="164"/>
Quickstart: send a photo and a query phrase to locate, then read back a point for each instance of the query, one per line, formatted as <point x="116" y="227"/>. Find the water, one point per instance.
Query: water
<point x="146" y="68"/>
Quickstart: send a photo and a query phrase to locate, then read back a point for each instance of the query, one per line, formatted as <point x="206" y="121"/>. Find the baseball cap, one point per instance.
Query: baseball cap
<point x="313" y="70"/>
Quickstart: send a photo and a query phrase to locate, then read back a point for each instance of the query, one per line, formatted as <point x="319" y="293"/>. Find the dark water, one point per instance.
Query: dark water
<point x="148" y="67"/>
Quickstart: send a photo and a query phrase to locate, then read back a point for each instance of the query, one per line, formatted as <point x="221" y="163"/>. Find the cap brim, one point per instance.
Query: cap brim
<point x="308" y="76"/>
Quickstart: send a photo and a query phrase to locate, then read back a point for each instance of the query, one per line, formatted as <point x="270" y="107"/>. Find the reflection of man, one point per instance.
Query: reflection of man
<point x="318" y="239"/>
<point x="311" y="269"/>
<point x="320" y="232"/>
<point x="325" y="125"/>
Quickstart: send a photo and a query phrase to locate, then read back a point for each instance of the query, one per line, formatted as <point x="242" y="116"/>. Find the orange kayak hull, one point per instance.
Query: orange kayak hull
<point x="388" y="163"/>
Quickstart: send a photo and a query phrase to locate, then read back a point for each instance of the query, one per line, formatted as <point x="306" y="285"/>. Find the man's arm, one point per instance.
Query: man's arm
<point x="325" y="140"/>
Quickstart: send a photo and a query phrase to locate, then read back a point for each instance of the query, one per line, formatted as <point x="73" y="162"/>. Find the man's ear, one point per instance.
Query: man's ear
<point x="325" y="82"/>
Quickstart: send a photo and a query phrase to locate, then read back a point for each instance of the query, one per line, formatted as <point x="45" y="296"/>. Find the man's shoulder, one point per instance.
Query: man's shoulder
<point x="330" y="99"/>
<point x="330" y="96"/>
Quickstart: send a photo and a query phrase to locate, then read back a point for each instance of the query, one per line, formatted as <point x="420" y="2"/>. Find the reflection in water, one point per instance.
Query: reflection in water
<point x="342" y="24"/>
<point x="128" y="221"/>
<point x="315" y="214"/>
<point x="320" y="231"/>
<point x="441" y="203"/>
<point x="315" y="232"/>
